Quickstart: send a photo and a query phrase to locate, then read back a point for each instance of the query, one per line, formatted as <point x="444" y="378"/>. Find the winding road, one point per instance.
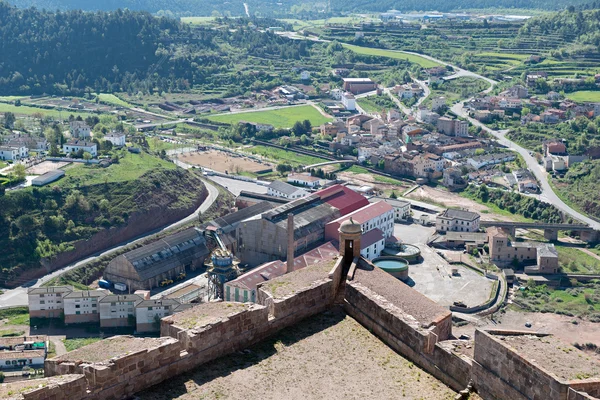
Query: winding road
<point x="547" y="192"/>
<point x="18" y="296"/>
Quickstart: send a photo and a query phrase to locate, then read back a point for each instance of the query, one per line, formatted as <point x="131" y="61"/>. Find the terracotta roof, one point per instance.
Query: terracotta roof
<point x="274" y="269"/>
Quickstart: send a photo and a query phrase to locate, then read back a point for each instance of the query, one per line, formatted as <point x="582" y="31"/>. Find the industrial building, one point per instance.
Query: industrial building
<point x="165" y="259"/>
<point x="379" y="215"/>
<point x="243" y="289"/>
<point x="48" y="177"/>
<point x="264" y="238"/>
<point x="358" y="85"/>
<point x="246" y="199"/>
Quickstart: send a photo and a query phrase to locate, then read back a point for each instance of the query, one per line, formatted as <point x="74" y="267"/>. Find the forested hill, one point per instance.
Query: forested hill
<point x="296" y="8"/>
<point x="74" y="52"/>
<point x="59" y="52"/>
<point x="582" y="26"/>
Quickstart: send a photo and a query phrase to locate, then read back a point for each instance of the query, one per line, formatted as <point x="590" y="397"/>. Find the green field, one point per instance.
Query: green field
<point x="3" y="164"/>
<point x="12" y="98"/>
<point x="585" y="96"/>
<point x="197" y="20"/>
<point x="130" y="167"/>
<point x="373" y="104"/>
<point x="279" y="118"/>
<point x="581" y="300"/>
<point x="284" y="156"/>
<point x="15" y="316"/>
<point x="573" y="260"/>
<point x="113" y="100"/>
<point x="399" y="55"/>
<point x="357" y="169"/>
<point x="26" y="110"/>
<point x="155" y="144"/>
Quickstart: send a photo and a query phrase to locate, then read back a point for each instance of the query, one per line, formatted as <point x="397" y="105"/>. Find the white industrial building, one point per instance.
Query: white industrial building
<point x="349" y="101"/>
<point x="285" y="190"/>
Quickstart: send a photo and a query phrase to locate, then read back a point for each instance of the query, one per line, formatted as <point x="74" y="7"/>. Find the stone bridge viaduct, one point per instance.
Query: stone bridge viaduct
<point x="586" y="233"/>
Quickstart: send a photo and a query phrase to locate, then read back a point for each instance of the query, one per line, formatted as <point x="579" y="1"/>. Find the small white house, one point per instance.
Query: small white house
<point x="336" y="94"/>
<point x="304" y="180"/>
<point x="304" y="75"/>
<point x="13" y="153"/>
<point x="285" y="190"/>
<point x="75" y="146"/>
<point x="80" y="129"/>
<point x="117" y="139"/>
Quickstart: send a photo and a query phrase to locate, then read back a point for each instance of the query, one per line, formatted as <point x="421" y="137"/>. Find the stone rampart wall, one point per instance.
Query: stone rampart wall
<point x="189" y="347"/>
<point x="530" y="380"/>
<point x="70" y="387"/>
<point x="403" y="334"/>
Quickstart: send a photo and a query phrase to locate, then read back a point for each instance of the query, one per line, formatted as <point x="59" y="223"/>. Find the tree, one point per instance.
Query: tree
<point x="87" y="157"/>
<point x="307" y="126"/>
<point x="18" y="173"/>
<point x="1" y="377"/>
<point x="9" y="120"/>
<point x="299" y="129"/>
<point x="393" y="195"/>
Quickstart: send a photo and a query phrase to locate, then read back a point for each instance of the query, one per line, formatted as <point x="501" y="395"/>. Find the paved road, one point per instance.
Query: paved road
<point x="547" y="193"/>
<point x="18" y="296"/>
<point x="235" y="186"/>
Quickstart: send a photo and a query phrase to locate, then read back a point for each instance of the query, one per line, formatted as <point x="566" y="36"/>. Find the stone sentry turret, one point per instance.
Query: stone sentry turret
<point x="350" y="233"/>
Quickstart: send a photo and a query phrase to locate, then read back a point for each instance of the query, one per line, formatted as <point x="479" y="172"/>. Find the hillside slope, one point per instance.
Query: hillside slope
<point x="38" y="227"/>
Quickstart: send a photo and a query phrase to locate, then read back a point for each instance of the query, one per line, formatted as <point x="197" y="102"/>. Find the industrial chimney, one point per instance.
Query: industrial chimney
<point x="290" y="243"/>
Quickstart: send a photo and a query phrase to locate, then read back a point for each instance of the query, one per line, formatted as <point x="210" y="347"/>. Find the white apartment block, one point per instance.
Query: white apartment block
<point x="47" y="302"/>
<point x="349" y="101"/>
<point x="148" y="312"/>
<point x="83" y="306"/>
<point x="118" y="310"/>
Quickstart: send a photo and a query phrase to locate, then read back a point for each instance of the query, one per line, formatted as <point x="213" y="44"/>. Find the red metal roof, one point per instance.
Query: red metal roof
<point x="344" y="199"/>
<point x="273" y="269"/>
<point x="371" y="237"/>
